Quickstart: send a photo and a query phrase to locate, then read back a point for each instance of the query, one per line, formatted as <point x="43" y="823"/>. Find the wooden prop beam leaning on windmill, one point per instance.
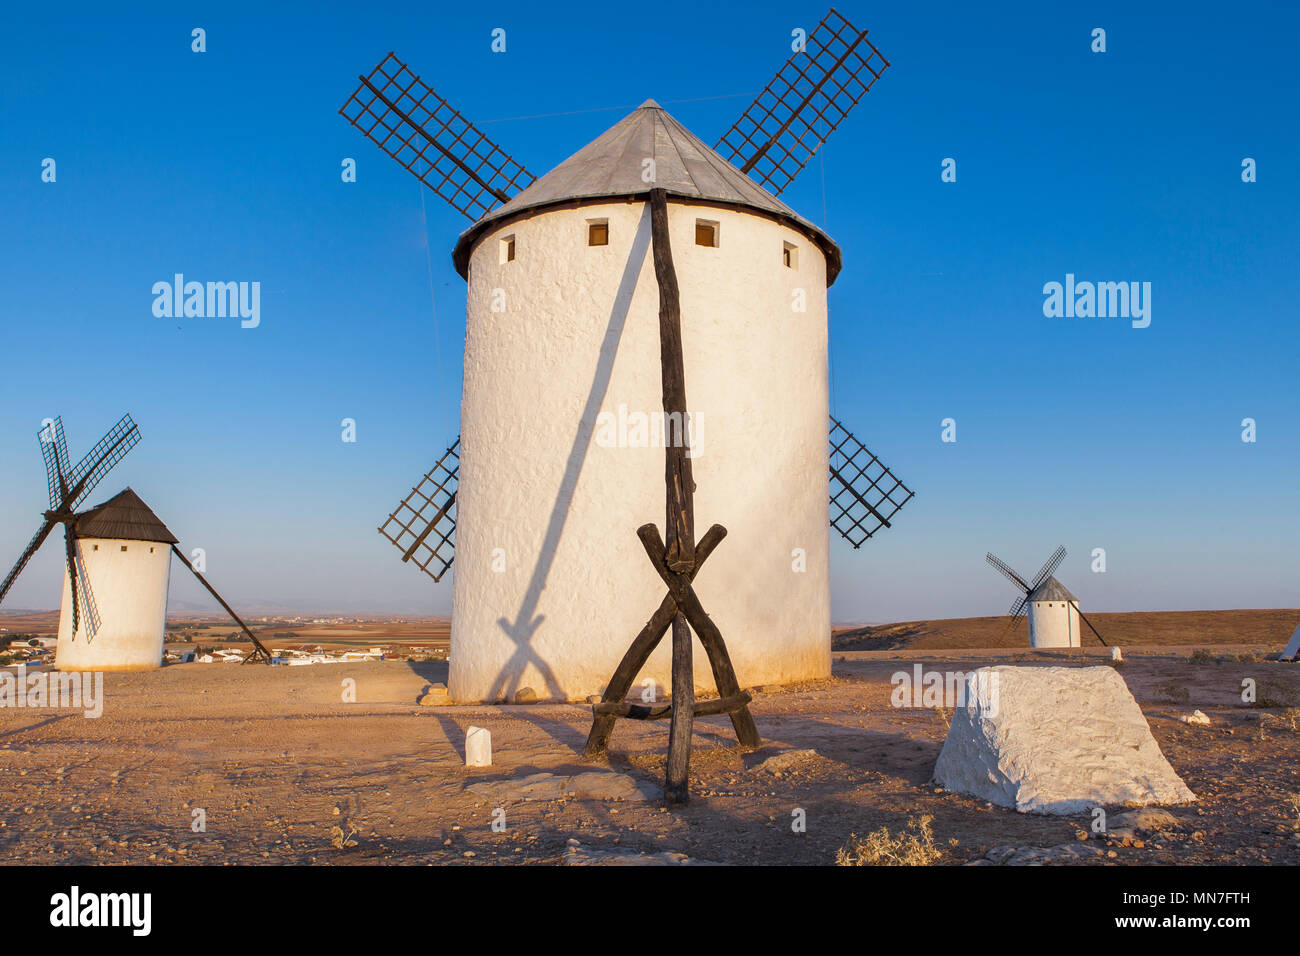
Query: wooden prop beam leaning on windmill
<point x="677" y="561"/>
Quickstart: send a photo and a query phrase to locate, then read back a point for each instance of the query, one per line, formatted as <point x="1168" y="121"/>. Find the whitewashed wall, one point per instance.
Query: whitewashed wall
<point x="540" y="496"/>
<point x="130" y="589"/>
<point x="1054" y="624"/>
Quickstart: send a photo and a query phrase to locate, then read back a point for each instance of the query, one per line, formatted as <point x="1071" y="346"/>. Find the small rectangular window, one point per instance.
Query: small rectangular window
<point x="508" y="249"/>
<point x="706" y="233"/>
<point x="597" y="232"/>
<point x="790" y="255"/>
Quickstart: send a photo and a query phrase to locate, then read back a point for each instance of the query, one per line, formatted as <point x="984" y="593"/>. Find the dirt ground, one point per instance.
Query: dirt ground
<point x="276" y="760"/>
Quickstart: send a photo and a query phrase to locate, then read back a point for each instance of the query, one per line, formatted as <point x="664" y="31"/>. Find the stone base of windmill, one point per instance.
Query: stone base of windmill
<point x="1055" y="740"/>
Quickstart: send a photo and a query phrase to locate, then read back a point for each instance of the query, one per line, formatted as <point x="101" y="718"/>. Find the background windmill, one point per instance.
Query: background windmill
<point x="69" y="487"/>
<point x="1054" y="613"/>
<point x="546" y="501"/>
<point x="130" y="552"/>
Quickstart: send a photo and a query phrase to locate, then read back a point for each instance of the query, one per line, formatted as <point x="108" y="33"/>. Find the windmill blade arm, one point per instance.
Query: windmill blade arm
<point x="818" y="86"/>
<point x="423" y="526"/>
<point x="111" y="449"/>
<point x="54" y="451"/>
<point x="1049" y="568"/>
<point x="405" y="118"/>
<point x="70" y="545"/>
<point x="33" y="546"/>
<point x="83" y="596"/>
<point x="1007" y="571"/>
<point x="864" y="494"/>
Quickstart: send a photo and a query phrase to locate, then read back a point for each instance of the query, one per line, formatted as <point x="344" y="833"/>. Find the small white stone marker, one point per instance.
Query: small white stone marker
<point x="478" y="747"/>
<point x="1115" y="654"/>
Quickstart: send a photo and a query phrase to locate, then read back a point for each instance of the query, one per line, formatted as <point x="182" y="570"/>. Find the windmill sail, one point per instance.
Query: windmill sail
<point x="423" y="524"/>
<point x="33" y="546"/>
<point x="54" y="450"/>
<point x="83" y="598"/>
<point x="1048" y="569"/>
<point x="91" y="470"/>
<point x="864" y="497"/>
<point x="803" y="104"/>
<point x="410" y="122"/>
<point x="864" y="494"/>
<point x="68" y="488"/>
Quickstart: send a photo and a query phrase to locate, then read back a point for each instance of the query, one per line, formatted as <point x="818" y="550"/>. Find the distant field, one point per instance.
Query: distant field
<point x="209" y="629"/>
<point x="1157" y="628"/>
<point x="42" y="623"/>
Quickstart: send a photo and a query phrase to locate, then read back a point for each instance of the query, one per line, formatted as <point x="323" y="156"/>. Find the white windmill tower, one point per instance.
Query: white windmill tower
<point x="643" y="269"/>
<point x="1054" y="613"/>
<point x="122" y="547"/>
<point x="126" y="550"/>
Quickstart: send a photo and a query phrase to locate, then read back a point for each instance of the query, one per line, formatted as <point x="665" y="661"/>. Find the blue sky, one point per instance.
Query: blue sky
<point x="1119" y="166"/>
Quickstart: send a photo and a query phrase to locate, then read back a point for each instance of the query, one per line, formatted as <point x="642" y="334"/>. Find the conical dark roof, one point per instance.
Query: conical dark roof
<point x="123" y="516"/>
<point x="1052" y="590"/>
<point x="610" y="167"/>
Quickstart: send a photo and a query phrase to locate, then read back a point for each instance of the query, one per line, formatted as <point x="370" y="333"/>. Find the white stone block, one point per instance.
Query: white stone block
<point x="1054" y="740"/>
<point x="478" y="747"/>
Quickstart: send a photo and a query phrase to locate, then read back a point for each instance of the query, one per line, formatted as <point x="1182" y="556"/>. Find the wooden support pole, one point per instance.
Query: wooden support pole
<point x="679" y="533"/>
<point x="724" y="674"/>
<point x="646" y="641"/>
<point x="677" y="560"/>
<point x="677" y="785"/>
<point x="260" y="647"/>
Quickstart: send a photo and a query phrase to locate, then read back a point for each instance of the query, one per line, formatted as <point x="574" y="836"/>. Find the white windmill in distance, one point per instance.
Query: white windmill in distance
<point x="120" y="545"/>
<point x="1054" y="613"/>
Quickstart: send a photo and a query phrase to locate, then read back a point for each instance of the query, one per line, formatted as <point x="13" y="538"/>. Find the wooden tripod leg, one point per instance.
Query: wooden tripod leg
<point x="676" y="786"/>
<point x="724" y="674"/>
<point x="603" y="725"/>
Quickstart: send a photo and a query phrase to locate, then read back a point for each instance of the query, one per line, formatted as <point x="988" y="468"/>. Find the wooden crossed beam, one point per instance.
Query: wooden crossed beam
<point x="677" y="561"/>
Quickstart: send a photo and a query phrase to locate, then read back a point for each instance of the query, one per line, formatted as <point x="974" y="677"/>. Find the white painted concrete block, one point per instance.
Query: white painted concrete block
<point x="1055" y="740"/>
<point x="478" y="747"/>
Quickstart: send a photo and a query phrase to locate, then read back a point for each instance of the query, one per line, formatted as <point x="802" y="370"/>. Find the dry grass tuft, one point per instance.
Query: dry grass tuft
<point x="1173" y="691"/>
<point x="1270" y="694"/>
<point x="913" y="847"/>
